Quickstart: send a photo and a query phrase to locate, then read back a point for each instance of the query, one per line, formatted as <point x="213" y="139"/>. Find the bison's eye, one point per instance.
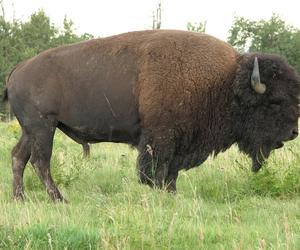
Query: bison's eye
<point x="275" y="107"/>
<point x="275" y="104"/>
<point x="276" y="101"/>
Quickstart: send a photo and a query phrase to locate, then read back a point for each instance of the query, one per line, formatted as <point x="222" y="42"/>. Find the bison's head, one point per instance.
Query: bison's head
<point x="266" y="105"/>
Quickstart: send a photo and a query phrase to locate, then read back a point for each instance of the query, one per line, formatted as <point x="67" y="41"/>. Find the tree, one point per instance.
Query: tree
<point x="37" y="34"/>
<point x="9" y="50"/>
<point x="2" y="9"/>
<point x="269" y="36"/>
<point x="67" y="34"/>
<point x="197" y="27"/>
<point x="156" y="20"/>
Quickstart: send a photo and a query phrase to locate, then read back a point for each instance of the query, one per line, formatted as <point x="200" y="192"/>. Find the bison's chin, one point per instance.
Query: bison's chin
<point x="278" y="145"/>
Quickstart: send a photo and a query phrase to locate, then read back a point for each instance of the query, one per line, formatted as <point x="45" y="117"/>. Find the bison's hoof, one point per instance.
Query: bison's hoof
<point x="19" y="197"/>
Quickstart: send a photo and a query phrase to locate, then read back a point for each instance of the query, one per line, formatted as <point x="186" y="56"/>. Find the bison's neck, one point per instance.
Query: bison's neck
<point x="216" y="126"/>
<point x="212" y="130"/>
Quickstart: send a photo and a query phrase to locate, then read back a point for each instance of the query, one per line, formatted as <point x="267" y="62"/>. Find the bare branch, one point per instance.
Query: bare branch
<point x="2" y="8"/>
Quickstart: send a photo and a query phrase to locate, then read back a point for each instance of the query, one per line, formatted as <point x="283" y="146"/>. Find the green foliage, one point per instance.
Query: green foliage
<point x="9" y="47"/>
<point x="67" y="35"/>
<point x="196" y="27"/>
<point x="22" y="40"/>
<point x="220" y="205"/>
<point x="37" y="34"/>
<point x="269" y="36"/>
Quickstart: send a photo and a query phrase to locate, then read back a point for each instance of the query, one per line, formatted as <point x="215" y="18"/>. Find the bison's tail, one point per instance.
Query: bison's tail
<point x="5" y="93"/>
<point x="5" y="96"/>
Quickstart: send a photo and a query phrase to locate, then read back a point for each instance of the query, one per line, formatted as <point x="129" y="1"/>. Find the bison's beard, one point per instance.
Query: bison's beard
<point x="258" y="153"/>
<point x="259" y="158"/>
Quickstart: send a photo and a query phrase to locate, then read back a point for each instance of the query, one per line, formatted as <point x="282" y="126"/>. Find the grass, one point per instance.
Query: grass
<point x="220" y="205"/>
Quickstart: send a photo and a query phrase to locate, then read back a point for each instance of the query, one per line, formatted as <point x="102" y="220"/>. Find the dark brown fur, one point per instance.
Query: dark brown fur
<point x="176" y="96"/>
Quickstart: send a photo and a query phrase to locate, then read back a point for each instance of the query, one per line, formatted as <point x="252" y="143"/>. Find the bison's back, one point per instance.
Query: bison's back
<point x="152" y="79"/>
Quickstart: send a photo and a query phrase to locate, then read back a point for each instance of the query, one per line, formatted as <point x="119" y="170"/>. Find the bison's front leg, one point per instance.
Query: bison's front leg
<point x="146" y="166"/>
<point x="170" y="182"/>
<point x="154" y="163"/>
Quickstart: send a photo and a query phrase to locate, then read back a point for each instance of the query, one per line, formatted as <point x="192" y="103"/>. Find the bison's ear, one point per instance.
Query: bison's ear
<point x="256" y="84"/>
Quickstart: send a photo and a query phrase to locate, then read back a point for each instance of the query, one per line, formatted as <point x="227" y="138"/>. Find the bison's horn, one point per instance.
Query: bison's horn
<point x="259" y="87"/>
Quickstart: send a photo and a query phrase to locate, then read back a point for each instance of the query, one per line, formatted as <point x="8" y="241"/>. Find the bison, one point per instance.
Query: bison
<point x="176" y="96"/>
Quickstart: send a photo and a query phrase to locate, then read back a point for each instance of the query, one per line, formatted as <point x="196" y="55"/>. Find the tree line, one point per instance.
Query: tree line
<point x="268" y="36"/>
<point x="21" y="40"/>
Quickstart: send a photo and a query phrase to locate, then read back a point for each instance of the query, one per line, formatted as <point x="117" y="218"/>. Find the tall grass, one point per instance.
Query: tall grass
<point x="220" y="205"/>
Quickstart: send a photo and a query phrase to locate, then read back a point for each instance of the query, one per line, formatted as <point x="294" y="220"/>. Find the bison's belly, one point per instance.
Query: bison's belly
<point x="110" y="117"/>
<point x="103" y="133"/>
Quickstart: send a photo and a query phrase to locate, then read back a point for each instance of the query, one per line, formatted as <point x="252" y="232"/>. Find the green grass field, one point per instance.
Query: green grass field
<point x="220" y="205"/>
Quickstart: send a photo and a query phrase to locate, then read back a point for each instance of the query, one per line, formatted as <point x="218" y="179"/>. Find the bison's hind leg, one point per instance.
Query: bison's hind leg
<point x="86" y="149"/>
<point x="20" y="157"/>
<point x="41" y="151"/>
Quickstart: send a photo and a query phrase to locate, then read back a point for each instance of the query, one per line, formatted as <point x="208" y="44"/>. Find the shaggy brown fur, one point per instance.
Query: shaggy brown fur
<point x="178" y="86"/>
<point x="176" y="96"/>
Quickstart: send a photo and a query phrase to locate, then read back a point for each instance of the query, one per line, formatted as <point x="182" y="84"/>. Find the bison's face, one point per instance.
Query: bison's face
<point x="266" y="105"/>
<point x="273" y="124"/>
